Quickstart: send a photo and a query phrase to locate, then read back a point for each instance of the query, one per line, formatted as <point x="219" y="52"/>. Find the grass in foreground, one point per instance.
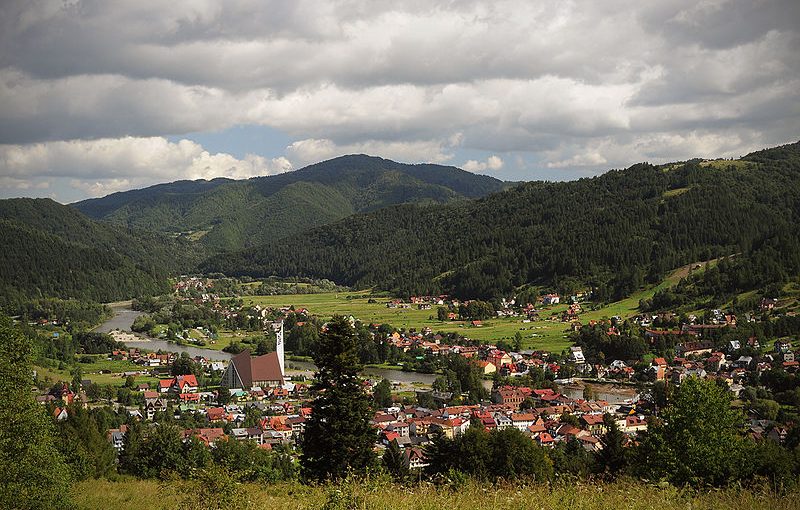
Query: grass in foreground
<point x="149" y="494"/>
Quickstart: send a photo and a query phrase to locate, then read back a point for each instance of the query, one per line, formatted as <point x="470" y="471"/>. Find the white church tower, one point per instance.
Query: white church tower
<point x="277" y="327"/>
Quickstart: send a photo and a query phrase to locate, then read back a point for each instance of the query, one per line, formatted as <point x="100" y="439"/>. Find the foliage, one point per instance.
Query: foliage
<point x="338" y="437"/>
<point x="382" y="394"/>
<point x="75" y="313"/>
<point x="184" y="365"/>
<point x="612" y="459"/>
<point x="32" y="471"/>
<point x="235" y="214"/>
<point x="697" y="442"/>
<point x="624" y="494"/>
<point x="97" y="343"/>
<point x="84" y="446"/>
<point x="251" y="463"/>
<point x="500" y="454"/>
<point x="394" y="461"/>
<point x="84" y="259"/>
<point x="155" y="452"/>
<point x="570" y="459"/>
<point x="214" y="488"/>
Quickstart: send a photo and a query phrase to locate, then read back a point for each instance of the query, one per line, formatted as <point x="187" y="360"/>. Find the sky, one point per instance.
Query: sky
<point x="104" y="96"/>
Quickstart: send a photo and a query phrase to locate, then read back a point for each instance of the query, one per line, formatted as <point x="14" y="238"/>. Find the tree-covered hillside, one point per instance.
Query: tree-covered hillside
<point x="613" y="232"/>
<point x="229" y="215"/>
<point x="51" y="250"/>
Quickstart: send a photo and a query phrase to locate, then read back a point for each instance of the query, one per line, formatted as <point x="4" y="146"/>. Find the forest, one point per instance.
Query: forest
<point x="52" y="251"/>
<point x="612" y="233"/>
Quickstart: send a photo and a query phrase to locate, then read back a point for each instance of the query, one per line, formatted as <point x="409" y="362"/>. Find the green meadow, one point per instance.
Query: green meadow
<point x="542" y="334"/>
<point x="548" y="333"/>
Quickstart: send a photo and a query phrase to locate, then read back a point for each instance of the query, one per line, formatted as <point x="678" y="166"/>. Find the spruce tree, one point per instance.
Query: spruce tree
<point x="611" y="459"/>
<point x="383" y="393"/>
<point x="395" y="462"/>
<point x="338" y="438"/>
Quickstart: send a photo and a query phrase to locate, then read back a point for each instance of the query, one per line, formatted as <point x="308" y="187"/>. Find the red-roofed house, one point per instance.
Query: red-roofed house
<point x="545" y="439"/>
<point x="593" y="423"/>
<point x="485" y="367"/>
<point x="164" y="385"/>
<point x="415" y="458"/>
<point x="185" y="384"/>
<point x="509" y="396"/>
<point x="634" y="423"/>
<point x="522" y="421"/>
<point x="216" y="414"/>
<point x="209" y="436"/>
<point x="499" y="358"/>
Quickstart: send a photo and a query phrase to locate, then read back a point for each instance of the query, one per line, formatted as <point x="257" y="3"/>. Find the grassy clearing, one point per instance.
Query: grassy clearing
<point x="101" y="363"/>
<point x="549" y="333"/>
<point x="53" y="374"/>
<point x="147" y="494"/>
<point x="197" y="235"/>
<point x="674" y="192"/>
<point x="726" y="163"/>
<point x="226" y="337"/>
<point x="119" y="380"/>
<point x="91" y="371"/>
<point x="629" y="306"/>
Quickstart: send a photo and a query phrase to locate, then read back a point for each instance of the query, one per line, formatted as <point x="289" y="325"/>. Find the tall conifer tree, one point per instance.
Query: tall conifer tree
<point x="338" y="438"/>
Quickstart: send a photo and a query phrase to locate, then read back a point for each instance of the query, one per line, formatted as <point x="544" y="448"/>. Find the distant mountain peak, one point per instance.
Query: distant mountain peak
<point x="227" y="214"/>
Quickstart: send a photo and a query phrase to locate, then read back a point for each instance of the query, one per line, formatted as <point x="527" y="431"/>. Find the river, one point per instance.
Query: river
<point x="124" y="316"/>
<point x="122" y="319"/>
<point x="375" y="373"/>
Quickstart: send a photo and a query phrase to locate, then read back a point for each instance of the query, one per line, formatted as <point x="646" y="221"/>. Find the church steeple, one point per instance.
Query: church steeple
<point x="277" y="326"/>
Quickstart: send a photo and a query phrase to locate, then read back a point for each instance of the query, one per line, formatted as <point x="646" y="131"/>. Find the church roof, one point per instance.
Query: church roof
<point x="260" y="368"/>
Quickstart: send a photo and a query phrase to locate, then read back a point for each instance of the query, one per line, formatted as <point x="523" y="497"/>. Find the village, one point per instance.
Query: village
<point x="258" y="398"/>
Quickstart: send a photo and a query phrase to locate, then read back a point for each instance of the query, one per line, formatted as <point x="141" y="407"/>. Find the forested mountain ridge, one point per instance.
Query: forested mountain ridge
<point x="52" y="250"/>
<point x="229" y="215"/>
<point x="611" y="232"/>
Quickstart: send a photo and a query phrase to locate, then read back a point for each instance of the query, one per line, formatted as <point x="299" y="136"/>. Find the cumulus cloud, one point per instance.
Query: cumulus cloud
<point x="99" y="167"/>
<point x="566" y="86"/>
<point x="312" y="150"/>
<point x="492" y="163"/>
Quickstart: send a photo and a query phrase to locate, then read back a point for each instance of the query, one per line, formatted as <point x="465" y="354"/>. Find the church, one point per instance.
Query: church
<point x="265" y="371"/>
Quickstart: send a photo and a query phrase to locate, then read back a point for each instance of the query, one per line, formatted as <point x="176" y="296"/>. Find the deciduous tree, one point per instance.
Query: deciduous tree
<point x="698" y="441"/>
<point x="32" y="472"/>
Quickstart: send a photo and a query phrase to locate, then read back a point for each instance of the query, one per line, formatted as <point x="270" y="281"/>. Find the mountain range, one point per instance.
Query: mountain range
<point x="225" y="215"/>
<point x="612" y="232"/>
<point x="370" y="222"/>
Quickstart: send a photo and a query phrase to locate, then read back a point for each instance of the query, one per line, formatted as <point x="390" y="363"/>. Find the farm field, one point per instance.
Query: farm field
<point x="544" y="334"/>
